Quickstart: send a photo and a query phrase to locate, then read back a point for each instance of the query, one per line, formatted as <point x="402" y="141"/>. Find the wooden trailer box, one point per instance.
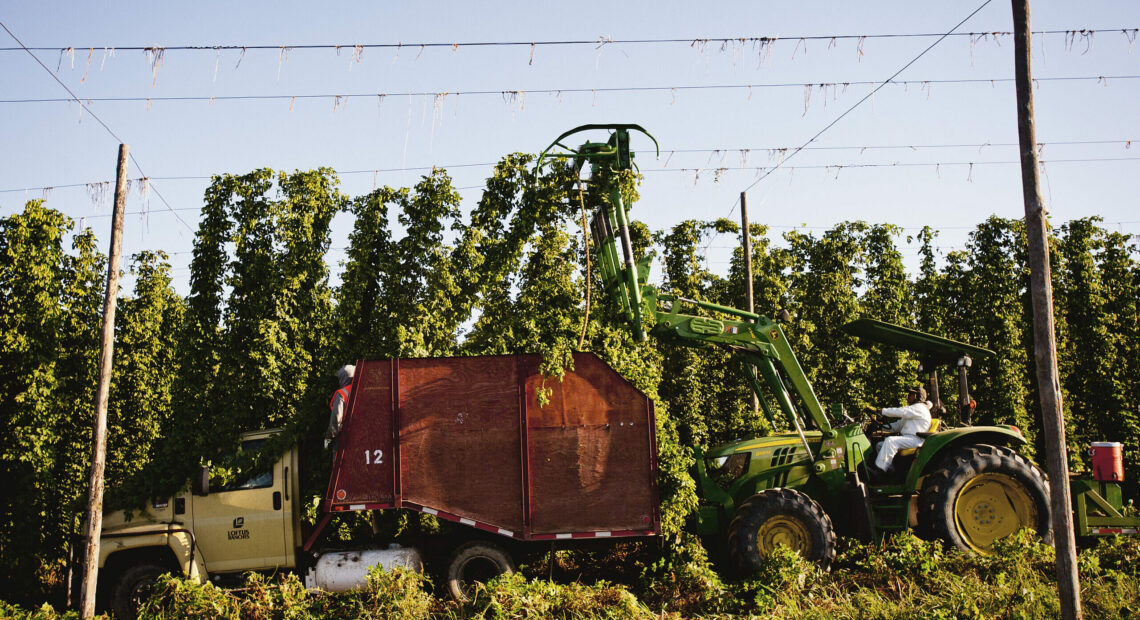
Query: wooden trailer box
<point x="466" y="439"/>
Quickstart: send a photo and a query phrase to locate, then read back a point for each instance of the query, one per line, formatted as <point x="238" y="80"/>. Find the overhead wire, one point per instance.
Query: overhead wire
<point x="869" y="95"/>
<point x="800" y="148"/>
<point x="99" y="120"/>
<point x="891" y="165"/>
<point x="600" y="41"/>
<point x="723" y="151"/>
<point x="576" y="90"/>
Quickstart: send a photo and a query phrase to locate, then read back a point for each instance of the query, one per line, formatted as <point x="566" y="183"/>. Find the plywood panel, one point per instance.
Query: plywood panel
<point x="364" y="459"/>
<point x="460" y="439"/>
<point x="591" y="467"/>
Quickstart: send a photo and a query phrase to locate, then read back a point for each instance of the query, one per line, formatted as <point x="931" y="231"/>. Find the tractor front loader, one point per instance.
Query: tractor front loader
<point x="966" y="485"/>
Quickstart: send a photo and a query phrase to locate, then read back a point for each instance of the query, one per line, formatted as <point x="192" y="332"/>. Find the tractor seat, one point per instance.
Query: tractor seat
<point x="934" y="426"/>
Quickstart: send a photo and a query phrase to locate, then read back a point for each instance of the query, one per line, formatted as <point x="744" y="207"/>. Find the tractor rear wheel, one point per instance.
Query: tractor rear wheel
<point x="780" y="516"/>
<point x="983" y="493"/>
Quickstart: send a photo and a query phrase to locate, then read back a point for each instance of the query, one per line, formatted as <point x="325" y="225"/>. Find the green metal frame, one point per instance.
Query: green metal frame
<point x="1099" y="509"/>
<point x="758" y="341"/>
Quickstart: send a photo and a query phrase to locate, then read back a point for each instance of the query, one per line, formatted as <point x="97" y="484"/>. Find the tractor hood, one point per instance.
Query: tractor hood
<point x="763" y="443"/>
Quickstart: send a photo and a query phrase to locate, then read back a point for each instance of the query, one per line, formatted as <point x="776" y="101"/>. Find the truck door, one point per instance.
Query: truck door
<point x="241" y="525"/>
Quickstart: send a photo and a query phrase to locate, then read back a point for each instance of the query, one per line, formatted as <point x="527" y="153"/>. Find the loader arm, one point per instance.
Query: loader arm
<point x="758" y="342"/>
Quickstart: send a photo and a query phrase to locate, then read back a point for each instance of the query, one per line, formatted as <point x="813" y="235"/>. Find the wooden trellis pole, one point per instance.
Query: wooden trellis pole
<point x="1044" y="339"/>
<point x="99" y="439"/>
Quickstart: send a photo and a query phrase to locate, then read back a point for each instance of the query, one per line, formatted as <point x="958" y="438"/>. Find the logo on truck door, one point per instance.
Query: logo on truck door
<point x="238" y="532"/>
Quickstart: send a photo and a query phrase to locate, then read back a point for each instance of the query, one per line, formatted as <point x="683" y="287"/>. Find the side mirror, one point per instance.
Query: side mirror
<point x="200" y="483"/>
<point x="784" y="316"/>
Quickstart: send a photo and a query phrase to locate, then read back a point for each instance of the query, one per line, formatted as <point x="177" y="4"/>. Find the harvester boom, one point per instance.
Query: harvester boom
<point x="758" y="341"/>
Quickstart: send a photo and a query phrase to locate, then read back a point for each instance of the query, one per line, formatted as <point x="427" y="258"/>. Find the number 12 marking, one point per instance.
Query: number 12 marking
<point x="373" y="457"/>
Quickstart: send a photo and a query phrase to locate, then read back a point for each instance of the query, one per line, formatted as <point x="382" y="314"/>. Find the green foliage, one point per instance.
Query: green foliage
<point x="259" y="356"/>
<point x="257" y="340"/>
<point x="145" y="367"/>
<point x="398" y="593"/>
<point x="50" y="310"/>
<point x="43" y="612"/>
<point x="513" y="596"/>
<point x="904" y="578"/>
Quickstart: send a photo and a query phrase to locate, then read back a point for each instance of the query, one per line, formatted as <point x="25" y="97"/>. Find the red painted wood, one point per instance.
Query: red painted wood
<point x="469" y="441"/>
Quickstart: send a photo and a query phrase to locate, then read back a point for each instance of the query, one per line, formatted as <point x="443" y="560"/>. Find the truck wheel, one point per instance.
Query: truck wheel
<point x="983" y="493"/>
<point x="475" y="562"/>
<point x="132" y="588"/>
<point x="780" y="516"/>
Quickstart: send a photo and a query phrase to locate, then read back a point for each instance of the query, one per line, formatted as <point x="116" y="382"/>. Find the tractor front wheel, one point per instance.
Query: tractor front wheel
<point x="983" y="493"/>
<point x="780" y="516"/>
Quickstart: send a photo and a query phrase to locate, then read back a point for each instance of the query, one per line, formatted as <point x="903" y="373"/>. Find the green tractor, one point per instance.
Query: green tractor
<point x="966" y="485"/>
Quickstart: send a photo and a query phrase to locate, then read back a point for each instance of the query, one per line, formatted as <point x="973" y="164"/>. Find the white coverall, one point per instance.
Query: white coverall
<point x="912" y="419"/>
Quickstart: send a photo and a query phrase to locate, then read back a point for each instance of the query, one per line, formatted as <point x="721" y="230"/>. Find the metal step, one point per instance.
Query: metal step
<point x="890" y="512"/>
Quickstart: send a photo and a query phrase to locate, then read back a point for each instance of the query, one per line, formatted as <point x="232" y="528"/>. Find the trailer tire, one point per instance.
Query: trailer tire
<point x="780" y="516"/>
<point x="477" y="561"/>
<point x="132" y="587"/>
<point x="982" y="493"/>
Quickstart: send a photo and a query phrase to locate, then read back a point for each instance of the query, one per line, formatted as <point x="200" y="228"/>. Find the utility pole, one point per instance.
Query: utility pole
<point x="747" y="235"/>
<point x="1044" y="342"/>
<point x="99" y="439"/>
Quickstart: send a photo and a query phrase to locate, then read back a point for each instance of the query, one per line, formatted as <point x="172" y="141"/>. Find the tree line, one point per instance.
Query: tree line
<point x="255" y="342"/>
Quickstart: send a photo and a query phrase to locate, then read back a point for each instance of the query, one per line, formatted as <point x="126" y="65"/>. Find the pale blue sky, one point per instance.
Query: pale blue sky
<point x="52" y="144"/>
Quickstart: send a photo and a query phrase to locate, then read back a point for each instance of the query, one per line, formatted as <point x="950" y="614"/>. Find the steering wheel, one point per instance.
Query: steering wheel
<point x="872" y="422"/>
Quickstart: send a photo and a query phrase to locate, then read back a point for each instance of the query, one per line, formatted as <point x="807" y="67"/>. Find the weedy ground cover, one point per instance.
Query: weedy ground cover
<point x="905" y="578"/>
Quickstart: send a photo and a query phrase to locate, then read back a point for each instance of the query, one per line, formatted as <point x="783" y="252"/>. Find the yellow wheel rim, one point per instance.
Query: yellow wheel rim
<point x="990" y="507"/>
<point x="783" y="530"/>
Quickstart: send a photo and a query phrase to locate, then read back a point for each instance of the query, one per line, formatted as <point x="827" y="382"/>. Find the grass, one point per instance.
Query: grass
<point x="905" y="578"/>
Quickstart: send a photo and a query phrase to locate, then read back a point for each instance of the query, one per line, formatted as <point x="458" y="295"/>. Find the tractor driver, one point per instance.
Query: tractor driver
<point x="913" y="419"/>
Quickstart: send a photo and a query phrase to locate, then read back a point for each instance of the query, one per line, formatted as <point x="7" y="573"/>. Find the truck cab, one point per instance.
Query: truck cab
<point x="208" y="530"/>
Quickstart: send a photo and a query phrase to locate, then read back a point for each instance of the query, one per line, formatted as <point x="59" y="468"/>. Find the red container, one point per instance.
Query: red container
<point x="1107" y="461"/>
<point x="467" y="439"/>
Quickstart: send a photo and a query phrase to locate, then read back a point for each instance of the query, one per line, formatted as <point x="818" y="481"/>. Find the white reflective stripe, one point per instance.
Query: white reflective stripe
<point x="601" y="534"/>
<point x="430" y="511"/>
<point x="561" y="536"/>
<point x="506" y="532"/>
<point x="467" y="522"/>
<point x="356" y="507"/>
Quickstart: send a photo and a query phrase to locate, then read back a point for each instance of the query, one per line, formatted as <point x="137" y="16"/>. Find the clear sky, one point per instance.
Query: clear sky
<point x="707" y="134"/>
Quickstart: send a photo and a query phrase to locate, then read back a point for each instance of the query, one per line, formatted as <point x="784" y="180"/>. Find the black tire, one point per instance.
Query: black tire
<point x="473" y="562"/>
<point x="779" y="516"/>
<point x="982" y="493"/>
<point x="133" y="587"/>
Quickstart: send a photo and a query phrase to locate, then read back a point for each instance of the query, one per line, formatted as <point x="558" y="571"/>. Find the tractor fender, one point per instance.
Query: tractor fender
<point x="938" y="445"/>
